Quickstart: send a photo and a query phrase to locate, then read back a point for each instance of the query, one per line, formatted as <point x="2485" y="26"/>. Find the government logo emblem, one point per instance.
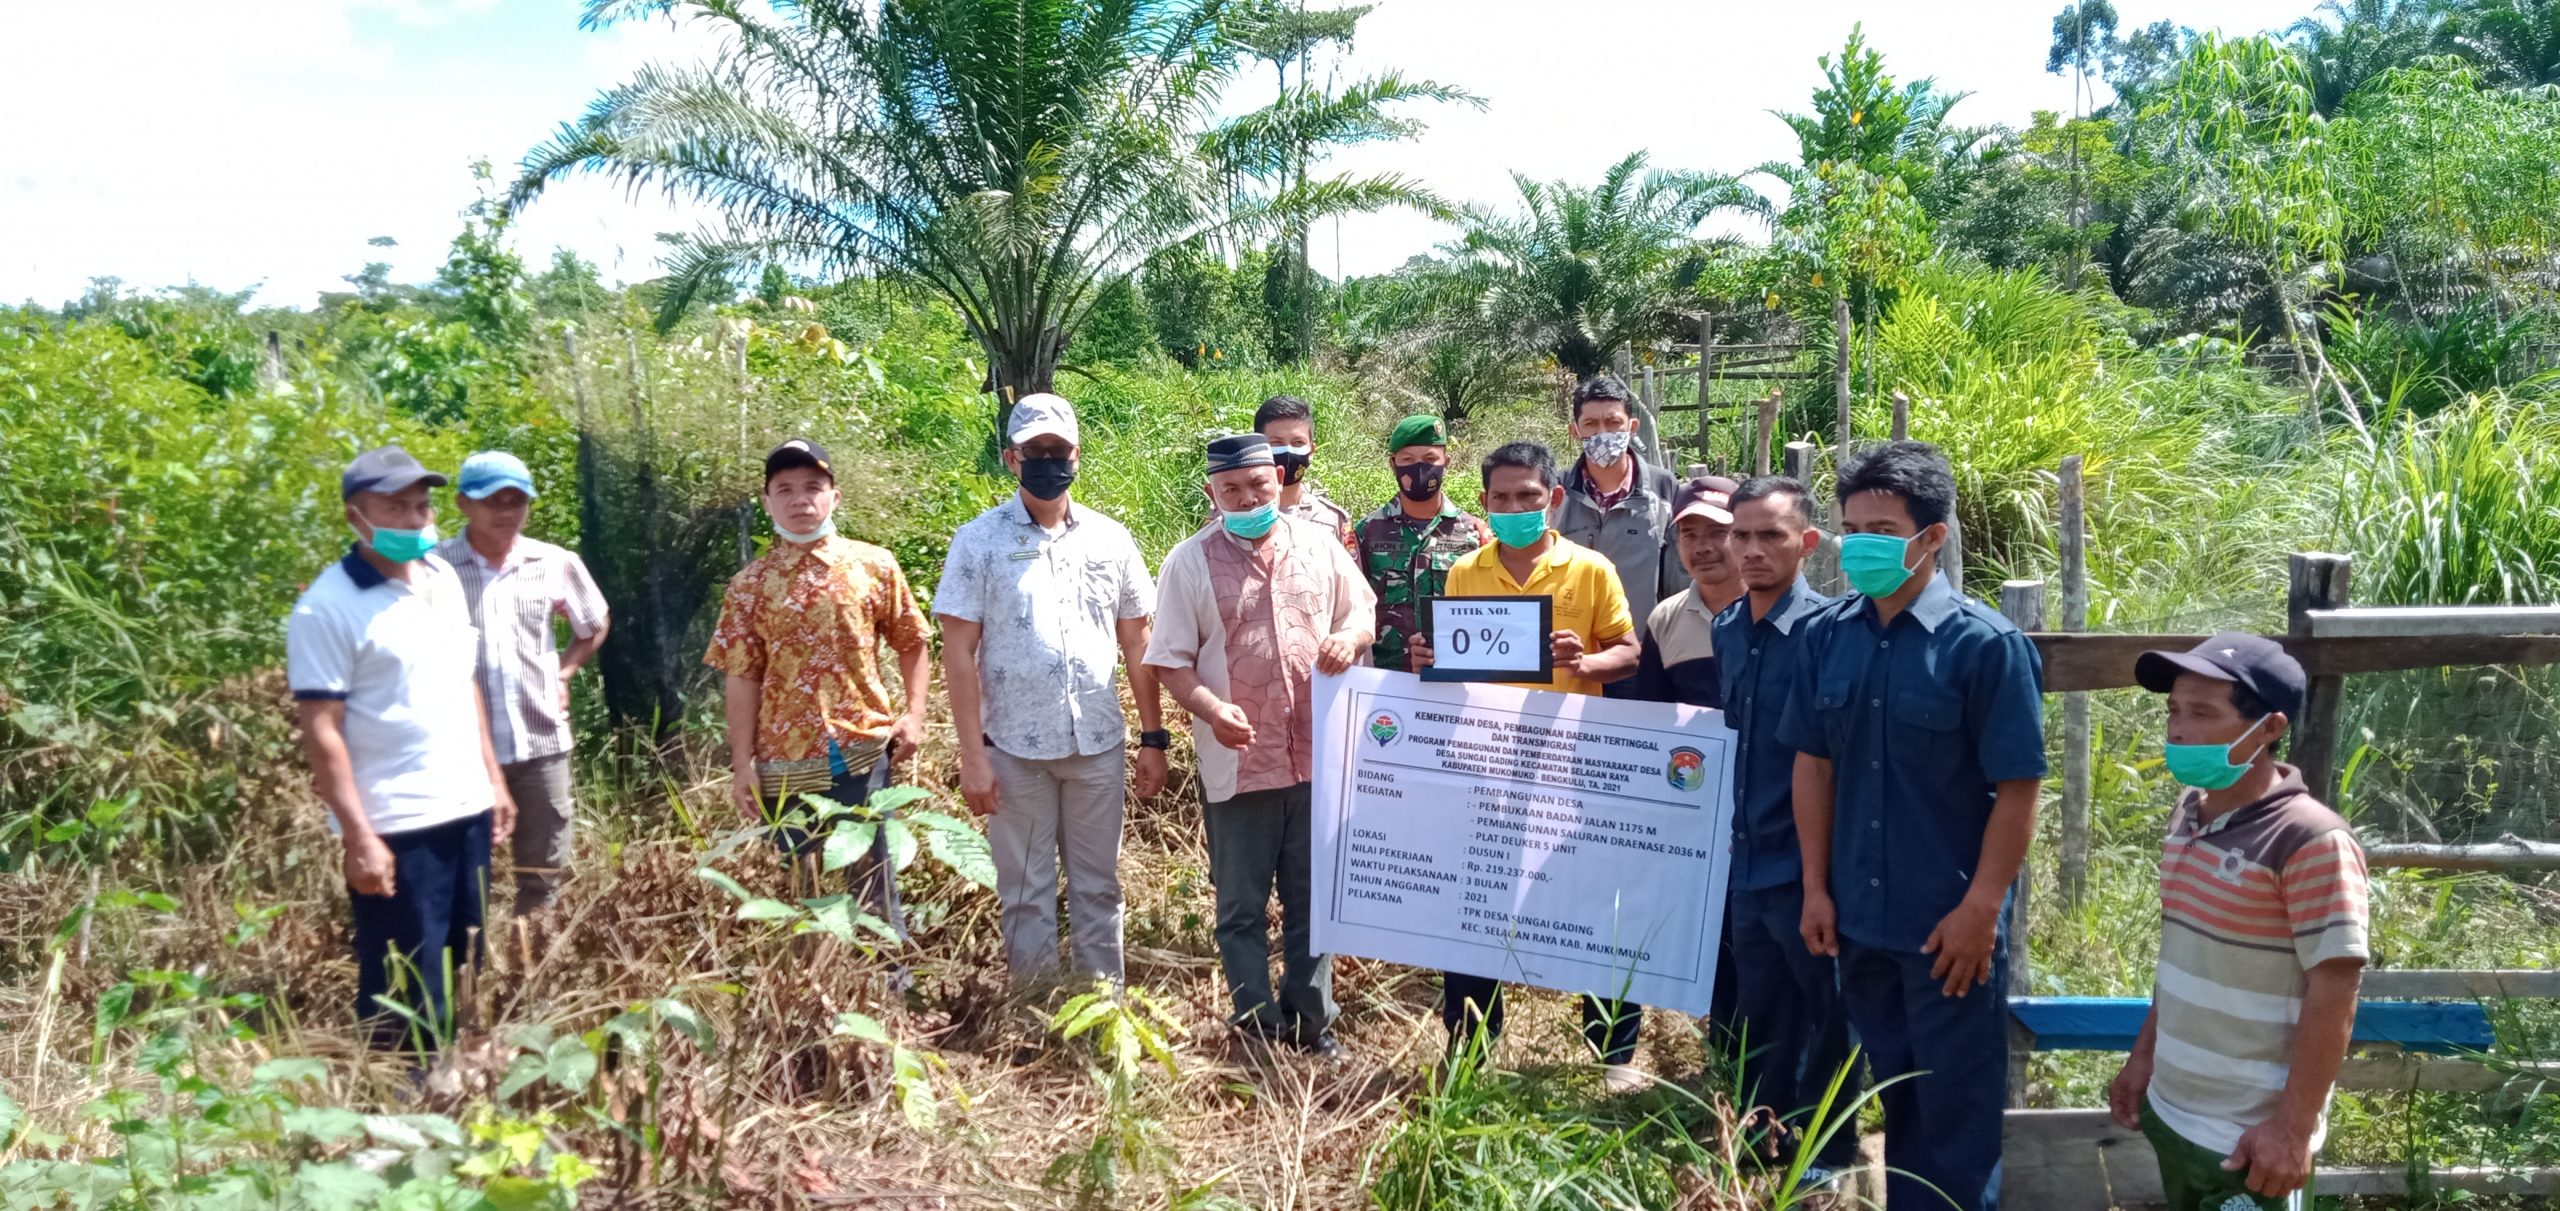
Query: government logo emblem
<point x="1688" y="769"/>
<point x="1384" y="727"/>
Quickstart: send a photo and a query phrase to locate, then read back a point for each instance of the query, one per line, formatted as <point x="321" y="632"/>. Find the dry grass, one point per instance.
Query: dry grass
<point x="779" y="1113"/>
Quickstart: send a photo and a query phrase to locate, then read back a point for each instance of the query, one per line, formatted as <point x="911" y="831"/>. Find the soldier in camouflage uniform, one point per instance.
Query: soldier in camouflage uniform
<point x="1406" y="547"/>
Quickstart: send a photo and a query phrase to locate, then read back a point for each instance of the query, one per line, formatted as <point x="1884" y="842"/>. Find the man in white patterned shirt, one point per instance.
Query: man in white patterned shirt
<point x="516" y="586"/>
<point x="1041" y="599"/>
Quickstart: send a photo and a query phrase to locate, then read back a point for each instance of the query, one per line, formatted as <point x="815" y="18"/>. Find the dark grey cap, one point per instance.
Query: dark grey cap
<point x="386" y="470"/>
<point x="1238" y="452"/>
<point x="2254" y="662"/>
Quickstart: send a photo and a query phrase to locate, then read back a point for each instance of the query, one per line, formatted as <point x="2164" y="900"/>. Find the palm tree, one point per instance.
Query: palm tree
<point x="2348" y="42"/>
<point x="1583" y="273"/>
<point x="1012" y="156"/>
<point x="2515" y="42"/>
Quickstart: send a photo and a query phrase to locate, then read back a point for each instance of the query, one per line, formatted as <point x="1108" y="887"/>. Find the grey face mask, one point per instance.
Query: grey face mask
<point x="1605" y="449"/>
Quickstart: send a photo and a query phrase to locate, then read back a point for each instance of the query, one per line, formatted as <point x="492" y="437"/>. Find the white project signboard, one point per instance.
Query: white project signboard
<point x="1561" y="840"/>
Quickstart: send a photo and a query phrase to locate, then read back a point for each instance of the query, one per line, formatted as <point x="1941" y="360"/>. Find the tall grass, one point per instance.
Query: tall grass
<point x="2458" y="508"/>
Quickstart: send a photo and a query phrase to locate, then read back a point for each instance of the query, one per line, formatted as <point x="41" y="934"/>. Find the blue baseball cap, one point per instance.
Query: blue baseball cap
<point x="492" y="471"/>
<point x="386" y="469"/>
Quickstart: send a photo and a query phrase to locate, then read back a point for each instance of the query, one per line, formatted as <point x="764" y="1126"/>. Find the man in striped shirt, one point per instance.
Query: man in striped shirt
<point x="515" y="586"/>
<point x="2262" y="914"/>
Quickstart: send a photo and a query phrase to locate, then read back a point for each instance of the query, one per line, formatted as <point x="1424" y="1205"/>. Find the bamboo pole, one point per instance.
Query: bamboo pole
<point x="2075" y="706"/>
<point x="1706" y="376"/>
<point x="1822" y="568"/>
<point x="1840" y="372"/>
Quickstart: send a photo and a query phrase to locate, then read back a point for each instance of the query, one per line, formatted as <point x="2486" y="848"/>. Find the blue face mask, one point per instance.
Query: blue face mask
<point x="402" y="546"/>
<point x="1252" y="523"/>
<point x="2209" y="767"/>
<point x="1875" y="564"/>
<point x="1518" y="529"/>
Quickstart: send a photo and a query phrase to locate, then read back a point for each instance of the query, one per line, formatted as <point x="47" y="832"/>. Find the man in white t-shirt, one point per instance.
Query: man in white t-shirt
<point x="380" y="652"/>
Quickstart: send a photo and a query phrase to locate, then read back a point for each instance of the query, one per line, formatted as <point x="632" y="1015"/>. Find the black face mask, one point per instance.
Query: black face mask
<point x="1292" y="462"/>
<point x="1047" y="478"/>
<point x="1420" y="481"/>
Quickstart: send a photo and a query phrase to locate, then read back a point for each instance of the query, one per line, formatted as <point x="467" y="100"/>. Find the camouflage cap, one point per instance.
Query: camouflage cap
<point x="1417" y="431"/>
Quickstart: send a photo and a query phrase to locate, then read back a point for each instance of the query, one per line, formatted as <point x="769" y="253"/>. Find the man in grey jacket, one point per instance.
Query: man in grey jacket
<point x="1618" y="504"/>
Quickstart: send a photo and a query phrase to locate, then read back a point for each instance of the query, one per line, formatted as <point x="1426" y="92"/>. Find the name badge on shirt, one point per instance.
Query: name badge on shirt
<point x="1027" y="553"/>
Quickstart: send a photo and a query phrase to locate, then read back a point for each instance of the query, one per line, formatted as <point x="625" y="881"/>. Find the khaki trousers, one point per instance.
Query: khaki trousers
<point x="1068" y="809"/>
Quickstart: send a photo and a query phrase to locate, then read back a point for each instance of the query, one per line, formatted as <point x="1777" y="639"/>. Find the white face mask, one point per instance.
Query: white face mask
<point x="824" y="529"/>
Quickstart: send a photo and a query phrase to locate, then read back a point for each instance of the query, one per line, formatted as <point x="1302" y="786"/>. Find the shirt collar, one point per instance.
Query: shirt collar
<point x="517" y="554"/>
<point x="363" y="573"/>
<point x="1932" y="607"/>
<point x="2289" y="785"/>
<point x="1556" y="553"/>
<point x="1021" y="513"/>
<point x="1579" y="479"/>
<point x="1793" y="604"/>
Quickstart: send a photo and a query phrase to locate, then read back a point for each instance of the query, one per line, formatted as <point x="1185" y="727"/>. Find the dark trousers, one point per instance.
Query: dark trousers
<point x="1609" y="1026"/>
<point x="1941" y="1127"/>
<point x="1257" y="839"/>
<point x="406" y="940"/>
<point x="1788" y="1012"/>
<point x="871" y="877"/>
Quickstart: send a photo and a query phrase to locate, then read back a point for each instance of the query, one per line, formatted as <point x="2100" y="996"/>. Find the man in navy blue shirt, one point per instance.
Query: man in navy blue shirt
<point x="1918" y="722"/>
<point x="1787" y="1007"/>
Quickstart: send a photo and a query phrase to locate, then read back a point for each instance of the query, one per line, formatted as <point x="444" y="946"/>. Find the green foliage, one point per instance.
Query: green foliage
<point x="2459" y="508"/>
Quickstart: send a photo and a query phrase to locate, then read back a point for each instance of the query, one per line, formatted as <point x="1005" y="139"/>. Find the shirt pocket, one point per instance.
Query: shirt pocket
<point x="1930" y="708"/>
<point x="1098" y="592"/>
<point x="533" y="621"/>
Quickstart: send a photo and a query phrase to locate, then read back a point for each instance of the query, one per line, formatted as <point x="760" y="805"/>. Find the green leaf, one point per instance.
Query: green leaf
<point x="963" y="849"/>
<point x="839" y="917"/>
<point x="157" y="902"/>
<point x="11" y="1118"/>
<point x="389" y="1129"/>
<point x="572" y="1064"/>
<point x="323" y="1124"/>
<point x="285" y="1070"/>
<point x="845" y="845"/>
<point x="521" y="1075"/>
<point x="762" y="909"/>
<point x="896" y="797"/>
<point x="337" y="1187"/>
<point x="517" y="1193"/>
<point x="723" y="882"/>
<point x="902" y="843"/>
<point x="436" y="1127"/>
<point x="861" y="1027"/>
<point x="681" y="1016"/>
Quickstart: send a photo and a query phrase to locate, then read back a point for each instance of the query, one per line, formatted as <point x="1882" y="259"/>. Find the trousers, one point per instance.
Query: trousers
<point x="1942" y="1126"/>
<point x="1051" y="812"/>
<point x="1257" y="839"/>
<point x="406" y="941"/>
<point x="544" y="833"/>
<point x="1787" y="1010"/>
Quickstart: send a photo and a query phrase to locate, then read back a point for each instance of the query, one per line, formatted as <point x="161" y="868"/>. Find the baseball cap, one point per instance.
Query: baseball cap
<point x="490" y="472"/>
<point x="1707" y="496"/>
<point x="798" y="452"/>
<point x="1042" y="415"/>
<point x="2254" y="662"/>
<point x="386" y="469"/>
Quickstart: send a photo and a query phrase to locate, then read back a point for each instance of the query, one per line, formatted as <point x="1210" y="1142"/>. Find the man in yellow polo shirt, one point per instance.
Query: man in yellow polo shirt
<point x="1594" y="643"/>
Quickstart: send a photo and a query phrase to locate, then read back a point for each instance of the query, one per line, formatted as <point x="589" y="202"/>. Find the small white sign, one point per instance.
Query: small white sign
<point x="1490" y="638"/>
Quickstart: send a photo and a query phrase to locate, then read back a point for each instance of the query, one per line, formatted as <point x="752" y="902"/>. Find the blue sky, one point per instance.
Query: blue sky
<point x="240" y="144"/>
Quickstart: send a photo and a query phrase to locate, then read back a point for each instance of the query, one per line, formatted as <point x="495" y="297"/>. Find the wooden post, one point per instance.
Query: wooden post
<point x="1901" y="417"/>
<point x="1707" y="378"/>
<point x="2318" y="582"/>
<point x="1648" y="431"/>
<point x="1840" y="371"/>
<point x="2075" y="706"/>
<point x="747" y="510"/>
<point x="2022" y="603"/>
<point x="1767" y="427"/>
<point x="1822" y="568"/>
<point x="1951" y="556"/>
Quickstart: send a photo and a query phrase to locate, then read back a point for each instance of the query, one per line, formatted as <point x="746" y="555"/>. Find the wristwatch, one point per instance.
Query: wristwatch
<point x="1161" y="738"/>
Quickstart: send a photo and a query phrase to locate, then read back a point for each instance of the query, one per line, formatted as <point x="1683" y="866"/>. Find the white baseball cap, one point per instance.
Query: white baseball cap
<point x="1042" y="415"/>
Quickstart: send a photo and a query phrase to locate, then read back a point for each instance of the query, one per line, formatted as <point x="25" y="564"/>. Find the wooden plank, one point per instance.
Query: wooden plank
<point x="2022" y="603"/>
<point x="2074" y="1160"/>
<point x="2104" y="661"/>
<point x="2080" y="1160"/>
<point x="2072" y="537"/>
<point x="2412" y="621"/>
<point x="2414" y="984"/>
<point x="2111" y="1023"/>
<point x="1765" y="425"/>
<point x="1706" y="372"/>
<point x="2505" y="855"/>
<point x="2318" y="581"/>
<point x="2403" y="1073"/>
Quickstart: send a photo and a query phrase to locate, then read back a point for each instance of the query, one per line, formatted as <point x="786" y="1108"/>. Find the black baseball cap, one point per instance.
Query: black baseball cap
<point x="2253" y="662"/>
<point x="798" y="452"/>
<point x="386" y="469"/>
